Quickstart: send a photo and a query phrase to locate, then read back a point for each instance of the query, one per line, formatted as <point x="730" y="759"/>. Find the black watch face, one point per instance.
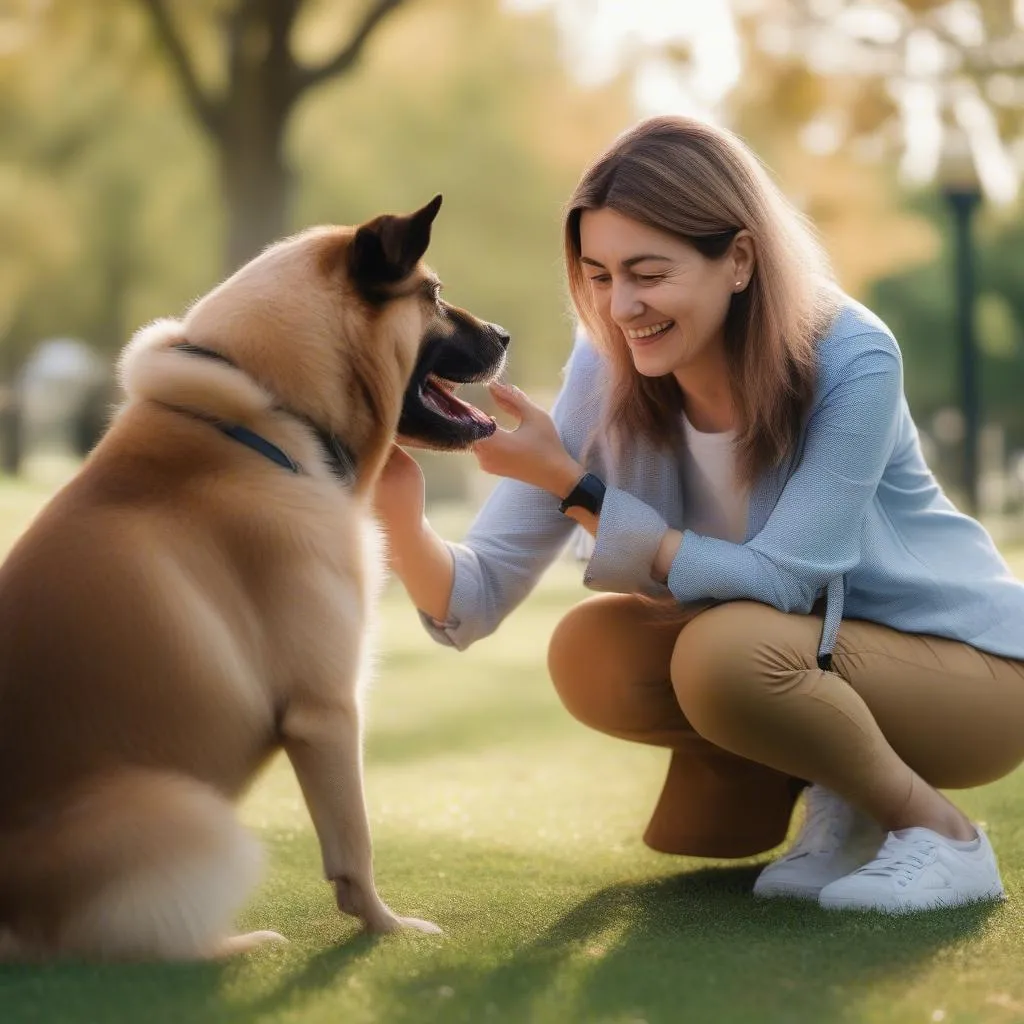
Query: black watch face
<point x="587" y="494"/>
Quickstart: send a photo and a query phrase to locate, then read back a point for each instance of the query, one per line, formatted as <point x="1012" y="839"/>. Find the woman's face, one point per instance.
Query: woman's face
<point x="668" y="301"/>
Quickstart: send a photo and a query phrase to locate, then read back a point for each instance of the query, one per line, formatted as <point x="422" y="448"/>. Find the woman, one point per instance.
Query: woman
<point x="732" y="430"/>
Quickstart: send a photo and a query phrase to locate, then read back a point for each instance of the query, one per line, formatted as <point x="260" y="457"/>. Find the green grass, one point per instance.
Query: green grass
<point x="517" y="830"/>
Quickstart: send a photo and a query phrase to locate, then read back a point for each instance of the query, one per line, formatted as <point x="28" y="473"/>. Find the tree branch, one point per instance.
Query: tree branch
<point x="204" y="108"/>
<point x="346" y="57"/>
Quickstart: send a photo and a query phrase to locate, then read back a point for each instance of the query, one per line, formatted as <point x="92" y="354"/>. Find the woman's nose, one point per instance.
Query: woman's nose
<point x="624" y="304"/>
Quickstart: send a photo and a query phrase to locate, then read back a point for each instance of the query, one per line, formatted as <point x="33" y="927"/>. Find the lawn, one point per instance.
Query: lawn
<point x="517" y="830"/>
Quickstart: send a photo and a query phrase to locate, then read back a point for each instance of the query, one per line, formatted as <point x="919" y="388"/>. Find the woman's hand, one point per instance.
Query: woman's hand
<point x="532" y="452"/>
<point x="419" y="557"/>
<point x="400" y="495"/>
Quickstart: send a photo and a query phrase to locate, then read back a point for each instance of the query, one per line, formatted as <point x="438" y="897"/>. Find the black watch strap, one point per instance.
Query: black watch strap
<point x="587" y="494"/>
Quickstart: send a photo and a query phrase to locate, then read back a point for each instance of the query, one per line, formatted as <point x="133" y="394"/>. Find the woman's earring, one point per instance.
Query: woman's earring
<point x="739" y="285"/>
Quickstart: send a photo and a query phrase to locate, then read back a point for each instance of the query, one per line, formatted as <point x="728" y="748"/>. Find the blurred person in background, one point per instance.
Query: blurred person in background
<point x="791" y="600"/>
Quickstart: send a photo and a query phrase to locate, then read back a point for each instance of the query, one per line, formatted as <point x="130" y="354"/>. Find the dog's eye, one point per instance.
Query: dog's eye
<point x="432" y="292"/>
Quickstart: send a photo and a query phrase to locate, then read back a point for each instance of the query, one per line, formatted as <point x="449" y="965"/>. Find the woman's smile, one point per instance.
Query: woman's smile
<point x="646" y="335"/>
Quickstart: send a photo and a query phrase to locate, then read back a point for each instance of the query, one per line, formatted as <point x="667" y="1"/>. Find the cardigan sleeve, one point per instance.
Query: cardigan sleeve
<point x="518" y="531"/>
<point x="814" y="532"/>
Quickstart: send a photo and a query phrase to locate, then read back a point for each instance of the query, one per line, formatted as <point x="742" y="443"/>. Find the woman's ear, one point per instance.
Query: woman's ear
<point x="743" y="258"/>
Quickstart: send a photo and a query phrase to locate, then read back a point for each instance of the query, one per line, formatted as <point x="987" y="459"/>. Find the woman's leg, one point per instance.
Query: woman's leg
<point x="609" y="660"/>
<point x="897" y="715"/>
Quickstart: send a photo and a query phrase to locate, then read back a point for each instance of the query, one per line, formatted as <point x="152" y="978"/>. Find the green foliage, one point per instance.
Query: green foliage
<point x="110" y="194"/>
<point x="111" y="214"/>
<point x="919" y="306"/>
<point x="116" y="226"/>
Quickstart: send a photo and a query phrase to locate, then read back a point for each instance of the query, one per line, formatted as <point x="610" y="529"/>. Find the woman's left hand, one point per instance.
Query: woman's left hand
<point x="532" y="452"/>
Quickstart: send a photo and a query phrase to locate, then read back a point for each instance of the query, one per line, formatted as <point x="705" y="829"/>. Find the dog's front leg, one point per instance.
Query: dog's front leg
<point x="323" y="743"/>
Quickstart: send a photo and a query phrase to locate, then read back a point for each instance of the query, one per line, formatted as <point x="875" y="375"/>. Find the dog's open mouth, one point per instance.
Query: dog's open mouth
<point x="438" y="395"/>
<point x="433" y="415"/>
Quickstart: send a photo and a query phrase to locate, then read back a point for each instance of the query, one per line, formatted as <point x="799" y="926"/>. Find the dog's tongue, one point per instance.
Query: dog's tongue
<point x="445" y="402"/>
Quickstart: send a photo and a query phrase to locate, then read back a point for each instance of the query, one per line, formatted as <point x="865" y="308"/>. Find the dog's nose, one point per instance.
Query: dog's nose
<point x="503" y="336"/>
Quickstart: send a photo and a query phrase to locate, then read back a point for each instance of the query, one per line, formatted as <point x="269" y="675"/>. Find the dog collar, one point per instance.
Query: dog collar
<point x="259" y="444"/>
<point x="339" y="455"/>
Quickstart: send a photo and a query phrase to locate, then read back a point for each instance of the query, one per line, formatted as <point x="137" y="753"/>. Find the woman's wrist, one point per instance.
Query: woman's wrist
<point x="671" y="542"/>
<point x="424" y="564"/>
<point x="407" y="540"/>
<point x="564" y="477"/>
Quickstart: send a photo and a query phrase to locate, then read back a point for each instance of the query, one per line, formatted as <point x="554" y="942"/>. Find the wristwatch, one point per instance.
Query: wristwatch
<point x="587" y="494"/>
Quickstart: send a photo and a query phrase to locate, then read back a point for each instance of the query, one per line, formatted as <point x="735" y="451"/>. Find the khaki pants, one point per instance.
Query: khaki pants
<point x="736" y="694"/>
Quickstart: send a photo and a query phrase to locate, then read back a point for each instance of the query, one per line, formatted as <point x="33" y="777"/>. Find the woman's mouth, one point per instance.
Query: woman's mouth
<point x="645" y="335"/>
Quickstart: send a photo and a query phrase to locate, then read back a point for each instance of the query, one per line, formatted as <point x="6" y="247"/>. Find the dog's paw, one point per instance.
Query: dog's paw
<point x="384" y="924"/>
<point x="362" y="901"/>
<point x="420" y="926"/>
<point x="234" y="945"/>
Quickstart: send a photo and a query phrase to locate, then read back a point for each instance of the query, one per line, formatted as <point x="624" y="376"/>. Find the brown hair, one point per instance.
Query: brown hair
<point x="703" y="185"/>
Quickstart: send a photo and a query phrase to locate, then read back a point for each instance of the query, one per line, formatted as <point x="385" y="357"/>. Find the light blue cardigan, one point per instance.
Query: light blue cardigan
<point x="854" y="514"/>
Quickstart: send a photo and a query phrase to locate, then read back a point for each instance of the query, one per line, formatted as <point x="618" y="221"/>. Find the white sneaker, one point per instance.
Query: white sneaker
<point x="834" y="840"/>
<point x="918" y="869"/>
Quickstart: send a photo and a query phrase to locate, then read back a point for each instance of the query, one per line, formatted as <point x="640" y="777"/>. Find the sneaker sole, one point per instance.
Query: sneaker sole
<point x="855" y="904"/>
<point x="787" y="892"/>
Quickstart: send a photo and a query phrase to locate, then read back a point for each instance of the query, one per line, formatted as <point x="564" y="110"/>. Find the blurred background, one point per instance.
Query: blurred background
<point x="148" y="147"/>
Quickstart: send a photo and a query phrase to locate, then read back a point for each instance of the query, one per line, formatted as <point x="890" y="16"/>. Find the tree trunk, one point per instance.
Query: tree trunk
<point x="254" y="177"/>
<point x="247" y="122"/>
<point x="255" y="189"/>
<point x="11" y="434"/>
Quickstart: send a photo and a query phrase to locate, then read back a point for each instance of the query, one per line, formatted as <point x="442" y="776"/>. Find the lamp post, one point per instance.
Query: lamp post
<point x="959" y="182"/>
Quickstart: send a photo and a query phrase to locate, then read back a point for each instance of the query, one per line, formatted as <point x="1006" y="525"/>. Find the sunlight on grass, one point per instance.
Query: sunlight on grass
<point x="517" y="830"/>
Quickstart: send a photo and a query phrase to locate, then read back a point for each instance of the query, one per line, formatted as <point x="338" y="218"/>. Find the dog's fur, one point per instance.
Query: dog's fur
<point x="185" y="606"/>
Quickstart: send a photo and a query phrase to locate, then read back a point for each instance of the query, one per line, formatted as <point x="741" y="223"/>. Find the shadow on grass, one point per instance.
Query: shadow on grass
<point x="114" y="994"/>
<point x="689" y="947"/>
<point x="692" y="947"/>
<point x="475" y="728"/>
<point x="161" y="993"/>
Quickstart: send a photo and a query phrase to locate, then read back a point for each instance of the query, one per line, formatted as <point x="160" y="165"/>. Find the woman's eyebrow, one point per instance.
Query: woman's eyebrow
<point x="628" y="263"/>
<point x="646" y="256"/>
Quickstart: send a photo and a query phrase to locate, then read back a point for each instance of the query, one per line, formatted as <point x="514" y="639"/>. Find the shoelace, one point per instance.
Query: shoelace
<point x="900" y="859"/>
<point x="826" y="825"/>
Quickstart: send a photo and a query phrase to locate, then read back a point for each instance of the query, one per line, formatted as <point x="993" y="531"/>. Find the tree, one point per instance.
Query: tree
<point x="109" y="196"/>
<point x="246" y="119"/>
<point x="891" y="76"/>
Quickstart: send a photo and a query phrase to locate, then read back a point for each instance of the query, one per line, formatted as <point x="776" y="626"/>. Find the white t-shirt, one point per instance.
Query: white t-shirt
<point x="715" y="501"/>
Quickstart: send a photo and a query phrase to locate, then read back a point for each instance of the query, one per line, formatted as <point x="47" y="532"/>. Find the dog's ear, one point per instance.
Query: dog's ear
<point x="386" y="249"/>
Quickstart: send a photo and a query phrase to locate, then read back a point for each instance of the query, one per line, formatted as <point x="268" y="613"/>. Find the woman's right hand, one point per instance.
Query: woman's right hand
<point x="418" y="556"/>
<point x="400" y="495"/>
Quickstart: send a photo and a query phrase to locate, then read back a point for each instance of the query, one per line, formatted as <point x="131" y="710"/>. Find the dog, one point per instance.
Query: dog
<point x="198" y="597"/>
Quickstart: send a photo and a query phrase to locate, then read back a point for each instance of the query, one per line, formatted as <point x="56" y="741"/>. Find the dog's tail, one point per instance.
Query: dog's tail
<point x="140" y="864"/>
<point x="149" y="367"/>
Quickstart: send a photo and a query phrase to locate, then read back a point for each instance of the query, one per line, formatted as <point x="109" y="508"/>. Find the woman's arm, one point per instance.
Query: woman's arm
<point x="814" y="532"/>
<point x="419" y="558"/>
<point x="812" y="536"/>
<point x="465" y="590"/>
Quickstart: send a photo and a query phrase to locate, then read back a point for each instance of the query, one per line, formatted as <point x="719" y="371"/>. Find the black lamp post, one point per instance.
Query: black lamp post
<point x="960" y="186"/>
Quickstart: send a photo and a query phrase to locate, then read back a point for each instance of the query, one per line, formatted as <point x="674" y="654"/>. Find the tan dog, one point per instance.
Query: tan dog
<point x="197" y="598"/>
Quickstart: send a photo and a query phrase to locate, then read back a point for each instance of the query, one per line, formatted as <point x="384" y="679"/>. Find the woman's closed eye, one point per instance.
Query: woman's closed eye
<point x="639" y="278"/>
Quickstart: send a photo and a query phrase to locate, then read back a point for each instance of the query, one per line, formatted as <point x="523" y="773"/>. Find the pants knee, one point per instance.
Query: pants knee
<point x="591" y="678"/>
<point x="722" y="665"/>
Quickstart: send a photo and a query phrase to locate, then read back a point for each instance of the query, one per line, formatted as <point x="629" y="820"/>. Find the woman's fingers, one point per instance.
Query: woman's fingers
<point x="511" y="400"/>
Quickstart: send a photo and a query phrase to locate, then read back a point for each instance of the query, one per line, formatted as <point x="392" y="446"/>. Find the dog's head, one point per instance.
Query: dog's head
<point x="343" y="326"/>
<point x="454" y="348"/>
